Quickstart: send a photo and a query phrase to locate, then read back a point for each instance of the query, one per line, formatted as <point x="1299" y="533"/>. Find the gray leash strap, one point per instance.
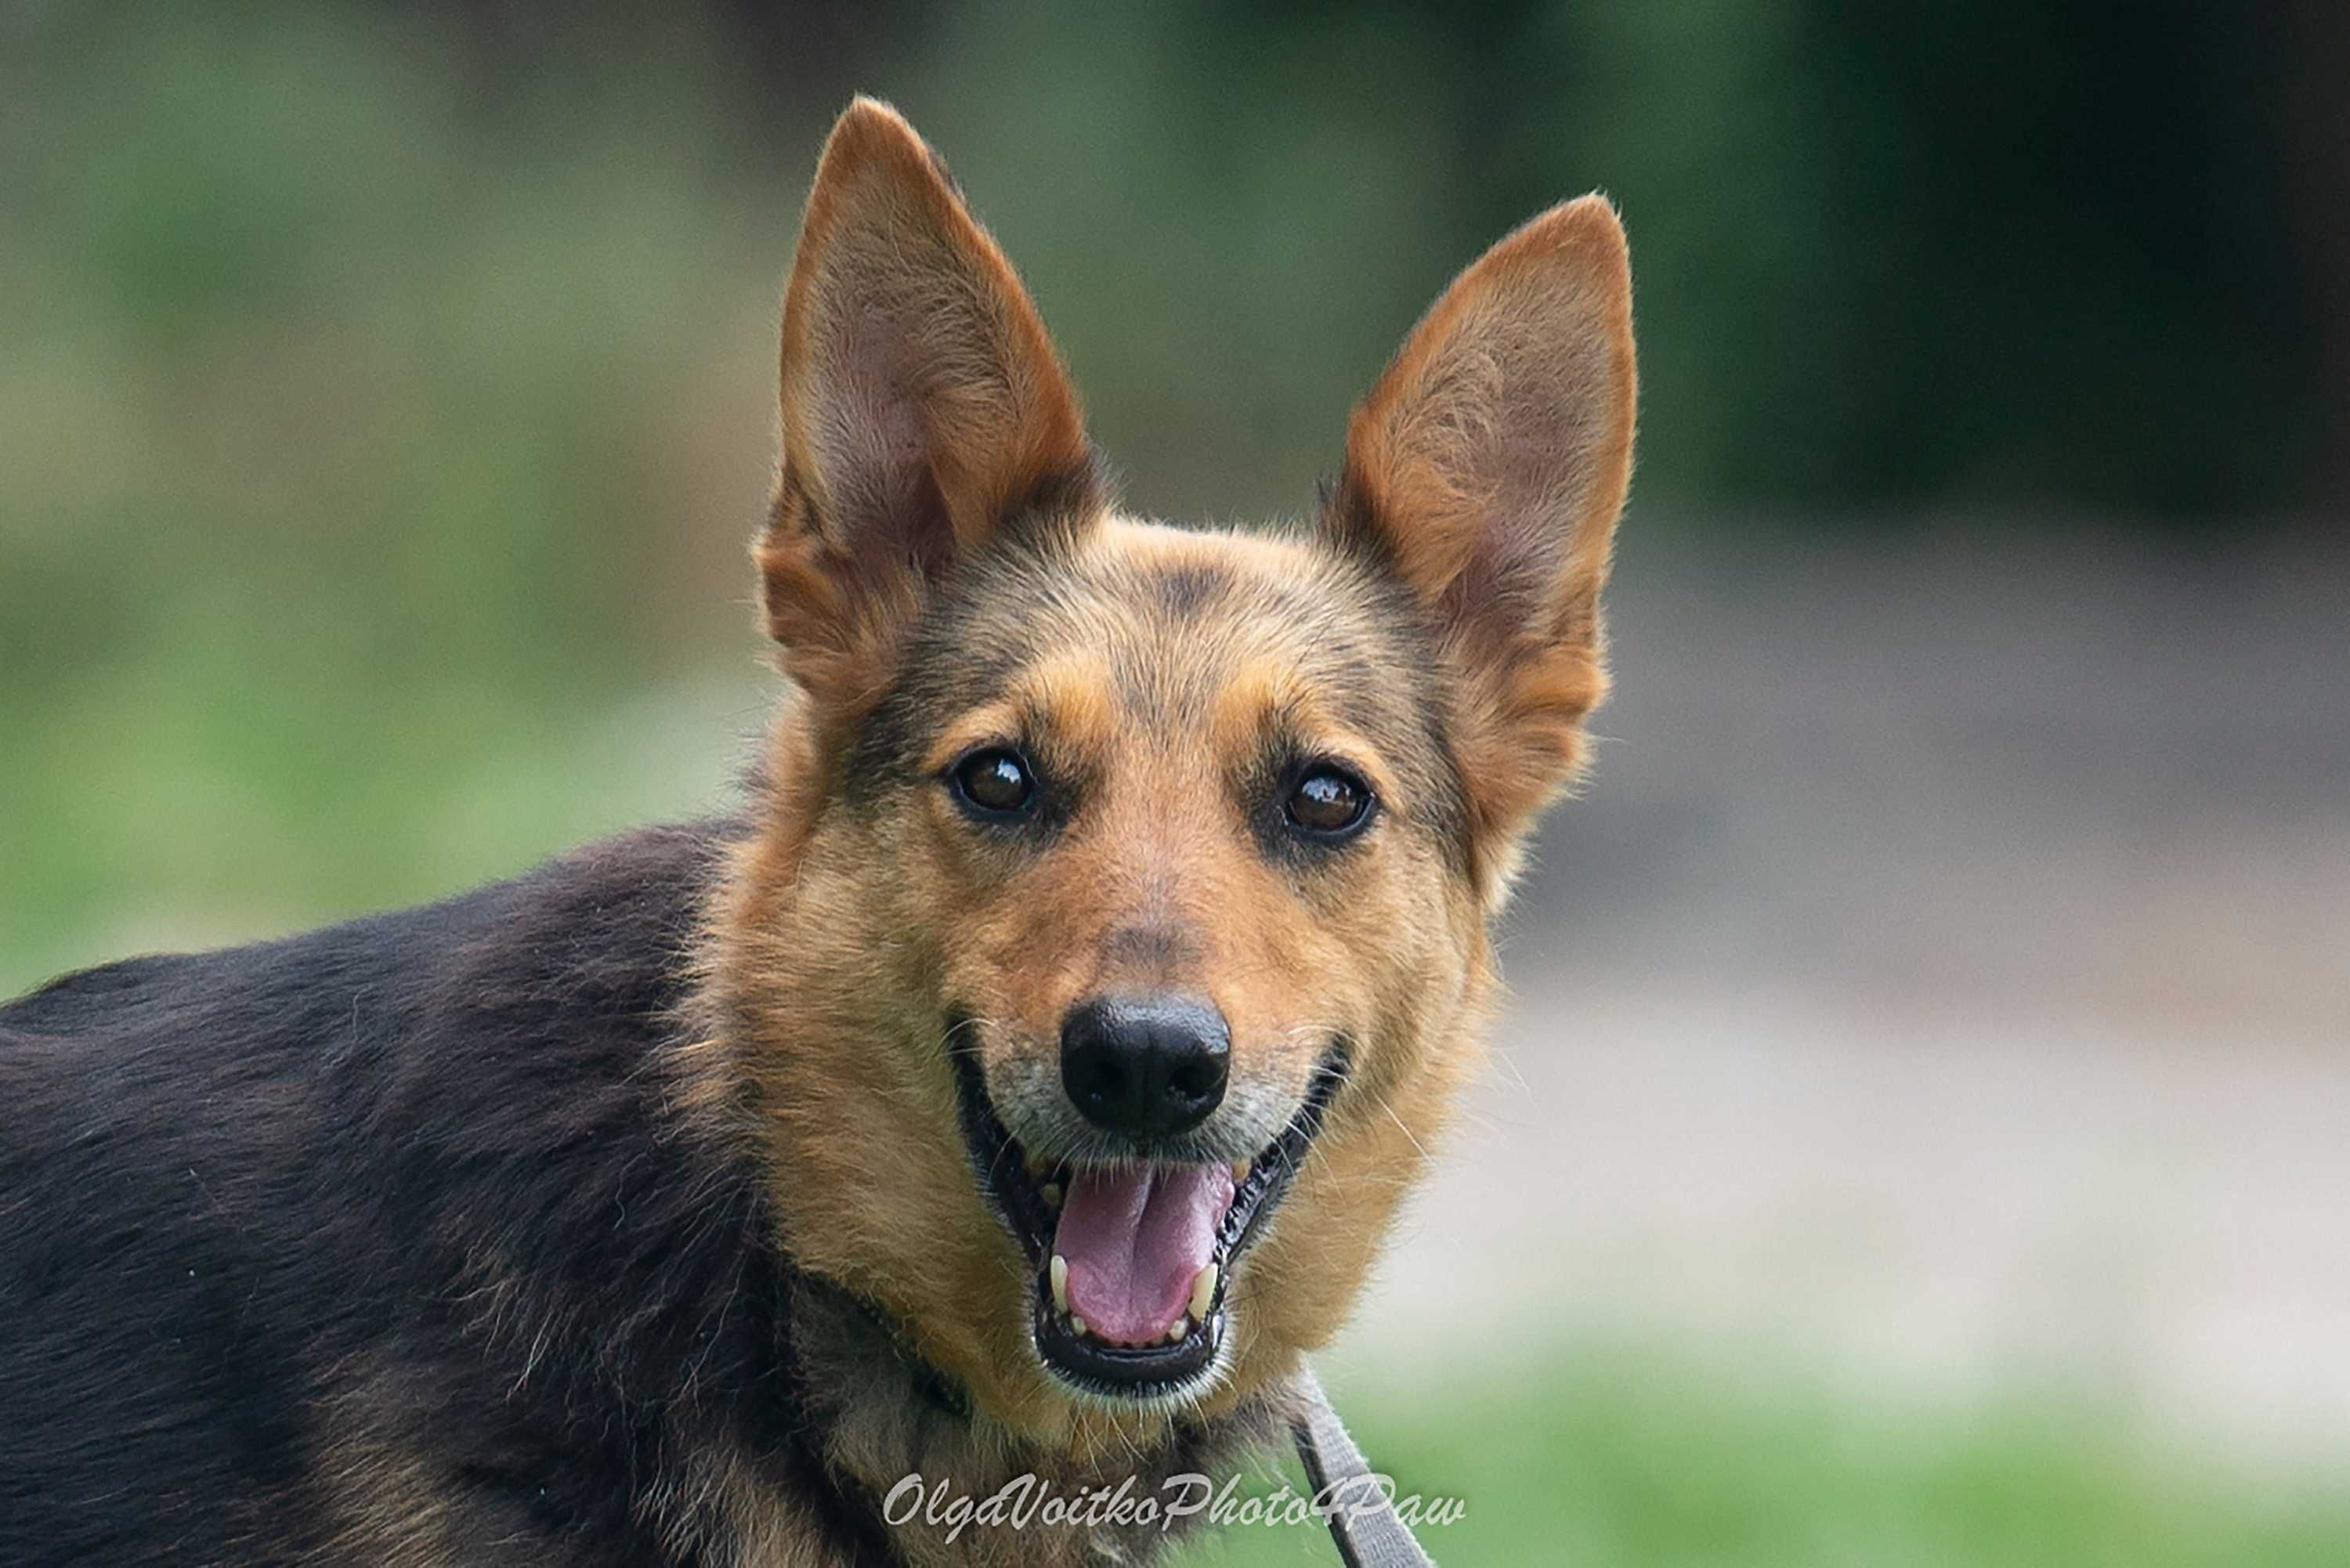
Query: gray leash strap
<point x="1363" y="1521"/>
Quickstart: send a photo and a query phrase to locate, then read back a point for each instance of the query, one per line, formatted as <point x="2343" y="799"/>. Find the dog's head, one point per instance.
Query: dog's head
<point x="1114" y="940"/>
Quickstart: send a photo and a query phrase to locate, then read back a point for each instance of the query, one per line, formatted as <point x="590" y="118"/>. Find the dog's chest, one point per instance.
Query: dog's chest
<point x="949" y="1486"/>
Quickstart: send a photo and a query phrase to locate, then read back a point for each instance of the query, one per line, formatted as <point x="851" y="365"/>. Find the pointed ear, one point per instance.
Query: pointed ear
<point x="924" y="411"/>
<point x="1485" y="470"/>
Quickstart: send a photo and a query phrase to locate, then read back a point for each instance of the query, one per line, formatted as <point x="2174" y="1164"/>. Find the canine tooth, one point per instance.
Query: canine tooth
<point x="1077" y="1327"/>
<point x="1059" y="1270"/>
<point x="1037" y="1166"/>
<point x="1182" y="1326"/>
<point x="1239" y="1171"/>
<point x="1053" y="1194"/>
<point x="1203" y="1287"/>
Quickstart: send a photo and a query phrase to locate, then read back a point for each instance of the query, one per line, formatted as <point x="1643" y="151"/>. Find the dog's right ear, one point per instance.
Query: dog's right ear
<point x="924" y="411"/>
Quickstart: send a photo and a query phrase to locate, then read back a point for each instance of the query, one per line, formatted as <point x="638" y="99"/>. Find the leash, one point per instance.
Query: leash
<point x="1363" y="1522"/>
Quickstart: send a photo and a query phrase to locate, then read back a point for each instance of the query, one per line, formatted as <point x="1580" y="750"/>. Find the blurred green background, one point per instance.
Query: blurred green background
<point x="384" y="405"/>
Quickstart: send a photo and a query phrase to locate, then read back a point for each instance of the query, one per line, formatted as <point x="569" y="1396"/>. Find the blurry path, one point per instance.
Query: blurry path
<point x="1945" y="987"/>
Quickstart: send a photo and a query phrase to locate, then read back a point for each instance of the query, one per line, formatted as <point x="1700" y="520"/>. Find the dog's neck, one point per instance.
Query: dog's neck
<point x="902" y="1441"/>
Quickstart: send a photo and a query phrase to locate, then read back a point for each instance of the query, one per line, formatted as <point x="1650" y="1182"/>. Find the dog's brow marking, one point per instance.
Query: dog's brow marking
<point x="1261" y="688"/>
<point x="994" y="722"/>
<point x="1073" y="693"/>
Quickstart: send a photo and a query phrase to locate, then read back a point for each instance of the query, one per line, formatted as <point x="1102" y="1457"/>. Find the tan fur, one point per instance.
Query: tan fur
<point x="1073" y="689"/>
<point x="386" y="1504"/>
<point x="1484" y="473"/>
<point x="380" y="1478"/>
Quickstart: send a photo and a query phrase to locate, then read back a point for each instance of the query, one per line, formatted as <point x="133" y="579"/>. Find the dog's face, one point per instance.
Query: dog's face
<point x="1115" y="940"/>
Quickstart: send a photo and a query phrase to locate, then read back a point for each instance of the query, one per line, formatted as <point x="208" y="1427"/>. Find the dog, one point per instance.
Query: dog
<point x="1020" y="1083"/>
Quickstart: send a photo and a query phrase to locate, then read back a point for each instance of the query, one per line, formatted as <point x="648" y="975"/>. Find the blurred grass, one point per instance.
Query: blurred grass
<point x="1629" y="1461"/>
<point x="371" y="448"/>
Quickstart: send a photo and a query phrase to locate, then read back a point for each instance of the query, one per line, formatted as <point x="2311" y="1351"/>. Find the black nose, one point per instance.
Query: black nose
<point x="1148" y="1066"/>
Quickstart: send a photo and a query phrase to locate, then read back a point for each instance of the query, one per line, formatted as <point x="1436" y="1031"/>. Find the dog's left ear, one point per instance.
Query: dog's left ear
<point x="924" y="411"/>
<point x="1485" y="469"/>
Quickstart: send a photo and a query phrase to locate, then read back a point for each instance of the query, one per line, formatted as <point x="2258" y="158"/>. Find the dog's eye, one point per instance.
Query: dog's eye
<point x="995" y="782"/>
<point x="1328" y="802"/>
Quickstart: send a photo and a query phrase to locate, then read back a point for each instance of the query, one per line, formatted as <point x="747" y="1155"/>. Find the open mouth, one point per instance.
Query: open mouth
<point x="1132" y="1262"/>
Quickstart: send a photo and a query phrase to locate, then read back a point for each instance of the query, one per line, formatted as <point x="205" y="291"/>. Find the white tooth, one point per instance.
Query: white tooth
<point x="1037" y="1165"/>
<point x="1182" y="1326"/>
<point x="1077" y="1325"/>
<point x="1060" y="1273"/>
<point x="1053" y="1194"/>
<point x="1203" y="1287"/>
<point x="1239" y="1171"/>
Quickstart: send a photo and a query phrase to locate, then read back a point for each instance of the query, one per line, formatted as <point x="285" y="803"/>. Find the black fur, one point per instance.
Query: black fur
<point x="410" y="1200"/>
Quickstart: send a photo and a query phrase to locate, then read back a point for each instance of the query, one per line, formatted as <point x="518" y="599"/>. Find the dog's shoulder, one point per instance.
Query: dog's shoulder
<point x="380" y="1229"/>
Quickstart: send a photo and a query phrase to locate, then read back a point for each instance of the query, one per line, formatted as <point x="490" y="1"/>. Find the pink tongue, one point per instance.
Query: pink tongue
<point x="1134" y="1242"/>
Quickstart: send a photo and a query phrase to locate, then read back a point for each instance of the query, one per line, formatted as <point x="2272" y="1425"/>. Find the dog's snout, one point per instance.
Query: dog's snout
<point x="1146" y="1066"/>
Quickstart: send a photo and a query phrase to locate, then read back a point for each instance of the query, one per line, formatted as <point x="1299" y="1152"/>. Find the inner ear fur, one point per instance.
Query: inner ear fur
<point x="923" y="409"/>
<point x="1485" y="470"/>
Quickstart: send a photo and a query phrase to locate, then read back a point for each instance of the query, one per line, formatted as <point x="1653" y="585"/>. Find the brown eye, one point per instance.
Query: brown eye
<point x="995" y="783"/>
<point x="1328" y="802"/>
